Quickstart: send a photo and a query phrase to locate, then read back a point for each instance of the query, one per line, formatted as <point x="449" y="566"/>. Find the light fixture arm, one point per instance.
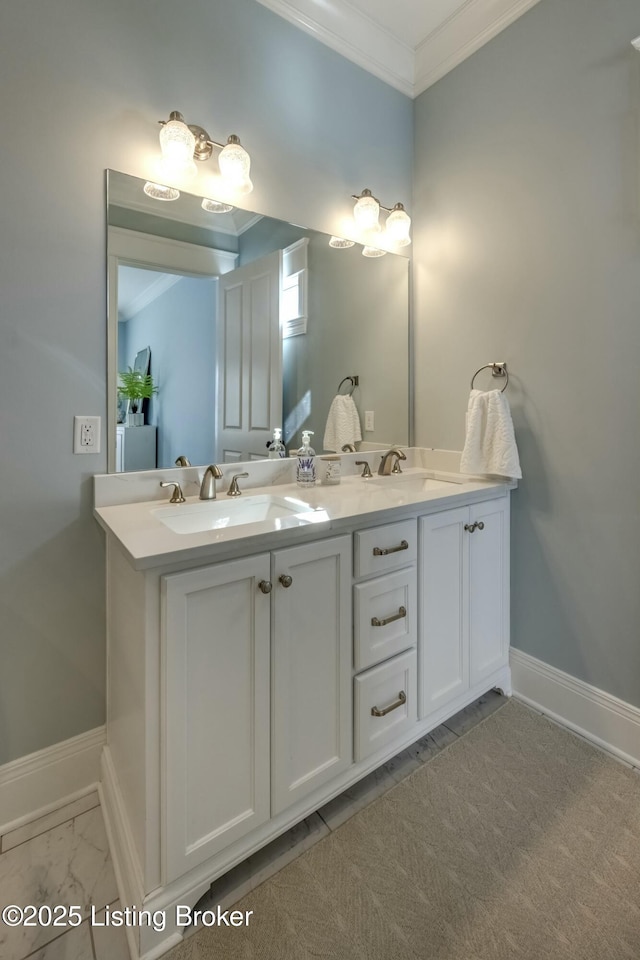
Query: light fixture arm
<point x="367" y="193"/>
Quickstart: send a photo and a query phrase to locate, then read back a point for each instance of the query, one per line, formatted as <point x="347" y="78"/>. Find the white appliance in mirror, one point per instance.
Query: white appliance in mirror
<point x="252" y="324"/>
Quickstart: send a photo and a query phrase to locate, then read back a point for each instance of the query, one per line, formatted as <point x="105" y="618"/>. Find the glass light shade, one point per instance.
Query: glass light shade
<point x="340" y="244"/>
<point x="373" y="252"/>
<point x="158" y="191"/>
<point x="216" y="206"/>
<point x="398" y="226"/>
<point x="177" y="144"/>
<point x="235" y="163"/>
<point x="366" y="213"/>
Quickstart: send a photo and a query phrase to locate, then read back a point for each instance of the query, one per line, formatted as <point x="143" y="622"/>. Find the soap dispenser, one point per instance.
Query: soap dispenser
<point x="306" y="470"/>
<point x="276" y="447"/>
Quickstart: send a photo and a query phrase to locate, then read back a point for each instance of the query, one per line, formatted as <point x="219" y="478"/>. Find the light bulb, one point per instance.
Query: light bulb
<point x="158" y="191"/>
<point x="398" y="225"/>
<point x="235" y="163"/>
<point x="177" y="144"/>
<point x="340" y="244"/>
<point x="373" y="252"/>
<point x="366" y="211"/>
<point x="216" y="206"/>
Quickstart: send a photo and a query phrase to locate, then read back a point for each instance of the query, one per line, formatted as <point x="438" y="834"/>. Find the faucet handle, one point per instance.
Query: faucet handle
<point x="176" y="495"/>
<point x="366" y="473"/>
<point x="396" y="464"/>
<point x="234" y="490"/>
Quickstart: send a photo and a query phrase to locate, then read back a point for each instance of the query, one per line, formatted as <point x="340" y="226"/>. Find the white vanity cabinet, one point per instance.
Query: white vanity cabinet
<point x="237" y="694"/>
<point x="250" y="684"/>
<point x="464" y="600"/>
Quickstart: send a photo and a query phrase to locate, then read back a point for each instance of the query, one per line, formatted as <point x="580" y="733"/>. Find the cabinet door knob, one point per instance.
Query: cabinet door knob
<point x="477" y="525"/>
<point x="265" y="586"/>
<point x="285" y="580"/>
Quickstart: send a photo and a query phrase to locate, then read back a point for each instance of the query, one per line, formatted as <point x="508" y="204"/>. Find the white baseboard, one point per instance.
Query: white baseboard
<point x="39" y="783"/>
<point x="608" y="722"/>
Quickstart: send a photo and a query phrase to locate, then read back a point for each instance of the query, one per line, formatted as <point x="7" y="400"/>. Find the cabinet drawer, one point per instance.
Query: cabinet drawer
<point x="389" y="547"/>
<point x="391" y="690"/>
<point x="385" y="613"/>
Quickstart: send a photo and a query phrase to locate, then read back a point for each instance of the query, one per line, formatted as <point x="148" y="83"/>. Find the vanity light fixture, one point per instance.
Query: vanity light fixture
<point x="398" y="225"/>
<point x="366" y="213"/>
<point x="636" y="43"/>
<point x="158" y="191"/>
<point x="183" y="143"/>
<point x="373" y="252"/>
<point x="340" y="243"/>
<point x="216" y="206"/>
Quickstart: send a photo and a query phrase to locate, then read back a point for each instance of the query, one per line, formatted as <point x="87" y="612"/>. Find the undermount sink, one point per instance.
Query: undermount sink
<point x="217" y="514"/>
<point x="413" y="481"/>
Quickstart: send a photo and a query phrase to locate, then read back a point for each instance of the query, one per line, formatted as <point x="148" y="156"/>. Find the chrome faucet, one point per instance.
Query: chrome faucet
<point x="385" y="470"/>
<point x="208" y="485"/>
<point x="183" y="461"/>
<point x="348" y="448"/>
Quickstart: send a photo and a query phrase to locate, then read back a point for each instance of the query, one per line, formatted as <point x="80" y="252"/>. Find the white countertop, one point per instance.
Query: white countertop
<point x="148" y="542"/>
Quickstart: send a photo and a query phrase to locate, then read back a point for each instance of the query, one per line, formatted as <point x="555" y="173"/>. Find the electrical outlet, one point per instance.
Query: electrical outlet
<point x="369" y="420"/>
<point x="86" y="434"/>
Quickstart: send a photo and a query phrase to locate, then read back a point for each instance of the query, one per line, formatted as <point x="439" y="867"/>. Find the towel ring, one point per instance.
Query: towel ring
<point x="354" y="383"/>
<point x="498" y="369"/>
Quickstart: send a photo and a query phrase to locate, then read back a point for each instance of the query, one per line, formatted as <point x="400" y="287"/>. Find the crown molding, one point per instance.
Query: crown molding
<point x="473" y="25"/>
<point x="363" y="41"/>
<point x="354" y="35"/>
<point x="150" y="293"/>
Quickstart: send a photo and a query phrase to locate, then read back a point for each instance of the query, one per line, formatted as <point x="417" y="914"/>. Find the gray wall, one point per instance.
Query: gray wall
<point x="527" y="229"/>
<point x="180" y="328"/>
<point x="91" y="80"/>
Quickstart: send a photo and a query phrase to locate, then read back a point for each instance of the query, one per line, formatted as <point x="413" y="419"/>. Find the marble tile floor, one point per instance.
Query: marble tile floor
<point x="63" y="858"/>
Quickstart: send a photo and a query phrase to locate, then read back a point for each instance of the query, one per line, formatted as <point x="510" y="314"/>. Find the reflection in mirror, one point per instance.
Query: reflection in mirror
<point x="251" y="324"/>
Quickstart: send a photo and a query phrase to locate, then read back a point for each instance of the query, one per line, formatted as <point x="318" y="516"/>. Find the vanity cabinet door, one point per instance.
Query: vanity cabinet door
<point x="488" y="588"/>
<point x="312" y="694"/>
<point x="444" y="608"/>
<point x="215" y="677"/>
<point x="464" y="600"/>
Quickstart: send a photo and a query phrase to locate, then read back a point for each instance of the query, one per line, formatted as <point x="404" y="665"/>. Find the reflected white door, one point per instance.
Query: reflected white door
<point x="249" y="351"/>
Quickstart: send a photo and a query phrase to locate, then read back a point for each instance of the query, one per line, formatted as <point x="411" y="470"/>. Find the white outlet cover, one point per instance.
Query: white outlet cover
<point x="93" y="425"/>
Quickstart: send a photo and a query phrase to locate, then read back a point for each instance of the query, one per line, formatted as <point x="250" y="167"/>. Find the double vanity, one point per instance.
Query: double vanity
<point x="268" y="650"/>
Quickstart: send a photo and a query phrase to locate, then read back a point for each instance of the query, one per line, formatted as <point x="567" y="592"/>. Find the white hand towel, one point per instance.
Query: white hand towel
<point x="343" y="423"/>
<point x="490" y="443"/>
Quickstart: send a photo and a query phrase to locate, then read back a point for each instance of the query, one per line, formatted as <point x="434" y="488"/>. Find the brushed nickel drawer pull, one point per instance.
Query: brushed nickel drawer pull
<point x="385" y="551"/>
<point x="375" y="622"/>
<point x="285" y="580"/>
<point x="377" y="712"/>
<point x="265" y="586"/>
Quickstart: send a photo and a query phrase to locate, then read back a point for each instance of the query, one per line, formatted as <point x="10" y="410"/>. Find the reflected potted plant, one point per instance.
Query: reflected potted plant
<point x="135" y="387"/>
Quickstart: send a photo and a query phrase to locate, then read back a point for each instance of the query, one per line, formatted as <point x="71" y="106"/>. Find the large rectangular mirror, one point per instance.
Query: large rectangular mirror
<point x="250" y="323"/>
